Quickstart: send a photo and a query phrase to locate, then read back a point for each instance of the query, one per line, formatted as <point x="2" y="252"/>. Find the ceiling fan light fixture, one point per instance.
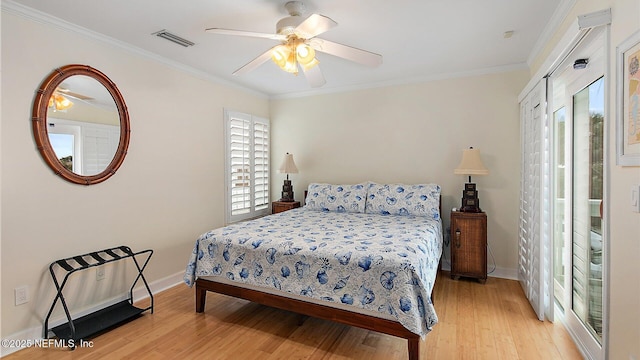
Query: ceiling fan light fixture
<point x="280" y="54"/>
<point x="306" y="56"/>
<point x="58" y="102"/>
<point x="296" y="33"/>
<point x="291" y="65"/>
<point x="286" y="57"/>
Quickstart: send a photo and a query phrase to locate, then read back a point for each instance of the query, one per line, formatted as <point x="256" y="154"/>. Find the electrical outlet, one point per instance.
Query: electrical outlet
<point x="22" y="295"/>
<point x="100" y="274"/>
<point x="635" y="198"/>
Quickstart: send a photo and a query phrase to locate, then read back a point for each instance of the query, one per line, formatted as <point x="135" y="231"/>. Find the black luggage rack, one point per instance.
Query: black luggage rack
<point x="103" y="319"/>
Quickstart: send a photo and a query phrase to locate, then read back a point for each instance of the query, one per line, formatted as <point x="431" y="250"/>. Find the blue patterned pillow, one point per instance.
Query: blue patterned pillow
<point x="340" y="198"/>
<point x="401" y="199"/>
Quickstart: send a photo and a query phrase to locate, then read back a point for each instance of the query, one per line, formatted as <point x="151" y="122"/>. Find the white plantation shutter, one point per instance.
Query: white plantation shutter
<point x="240" y="165"/>
<point x="99" y="145"/>
<point x="533" y="262"/>
<point x="261" y="164"/>
<point x="247" y="139"/>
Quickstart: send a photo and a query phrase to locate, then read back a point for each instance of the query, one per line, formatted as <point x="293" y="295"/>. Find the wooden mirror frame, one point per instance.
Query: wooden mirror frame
<point x="40" y="132"/>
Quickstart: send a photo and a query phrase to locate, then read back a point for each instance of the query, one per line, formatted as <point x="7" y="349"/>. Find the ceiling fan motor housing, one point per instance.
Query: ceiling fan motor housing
<point x="286" y="26"/>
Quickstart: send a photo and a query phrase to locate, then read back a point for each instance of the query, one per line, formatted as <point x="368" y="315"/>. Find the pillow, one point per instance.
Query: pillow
<point x="340" y="198"/>
<point x="401" y="199"/>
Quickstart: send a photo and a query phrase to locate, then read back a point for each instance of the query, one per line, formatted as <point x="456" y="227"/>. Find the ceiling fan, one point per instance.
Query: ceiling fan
<point x="66" y="92"/>
<point x="298" y="44"/>
<point x="60" y="98"/>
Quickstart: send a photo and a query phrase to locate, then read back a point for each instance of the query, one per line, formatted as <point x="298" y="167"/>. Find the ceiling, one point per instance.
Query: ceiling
<point x="419" y="40"/>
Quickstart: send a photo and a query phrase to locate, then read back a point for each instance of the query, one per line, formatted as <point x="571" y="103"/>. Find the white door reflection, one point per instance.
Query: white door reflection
<point x="84" y="148"/>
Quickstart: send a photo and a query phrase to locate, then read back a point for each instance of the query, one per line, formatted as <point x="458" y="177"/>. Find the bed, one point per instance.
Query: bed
<point x="364" y="255"/>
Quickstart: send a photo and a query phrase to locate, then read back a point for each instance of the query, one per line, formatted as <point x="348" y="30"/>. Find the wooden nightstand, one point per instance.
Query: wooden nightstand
<point x="469" y="245"/>
<point x="280" y="206"/>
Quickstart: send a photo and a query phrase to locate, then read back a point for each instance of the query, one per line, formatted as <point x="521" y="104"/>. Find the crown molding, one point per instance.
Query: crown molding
<point x="34" y="15"/>
<point x="403" y="81"/>
<point x="11" y="6"/>
<point x="552" y="26"/>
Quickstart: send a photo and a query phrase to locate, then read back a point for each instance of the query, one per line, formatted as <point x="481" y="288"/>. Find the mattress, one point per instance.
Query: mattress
<point x="380" y="265"/>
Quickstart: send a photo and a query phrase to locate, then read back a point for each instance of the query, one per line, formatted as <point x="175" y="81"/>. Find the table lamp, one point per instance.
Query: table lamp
<point x="288" y="167"/>
<point x="471" y="164"/>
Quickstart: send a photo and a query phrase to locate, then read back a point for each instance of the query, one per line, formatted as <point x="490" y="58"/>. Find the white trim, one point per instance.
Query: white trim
<point x="594" y="19"/>
<point x="552" y="26"/>
<point x="139" y="293"/>
<point x="576" y="31"/>
<point x="557" y="55"/>
<point x="499" y="272"/>
<point x="559" y="315"/>
<point x="43" y="18"/>
<point x="158" y="286"/>
<point x="403" y="81"/>
<point x="606" y="184"/>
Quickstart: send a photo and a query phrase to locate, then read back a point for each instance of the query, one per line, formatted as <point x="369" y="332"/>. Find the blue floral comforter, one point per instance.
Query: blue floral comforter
<point x="383" y="263"/>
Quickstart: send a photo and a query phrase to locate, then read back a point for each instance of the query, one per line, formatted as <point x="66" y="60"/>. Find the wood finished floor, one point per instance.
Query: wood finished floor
<point x="490" y="321"/>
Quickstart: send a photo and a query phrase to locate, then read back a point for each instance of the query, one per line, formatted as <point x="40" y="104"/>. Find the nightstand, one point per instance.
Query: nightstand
<point x="280" y="206"/>
<point x="469" y="245"/>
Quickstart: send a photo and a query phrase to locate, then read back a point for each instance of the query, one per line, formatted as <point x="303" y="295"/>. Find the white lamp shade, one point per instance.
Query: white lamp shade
<point x="288" y="165"/>
<point x="471" y="164"/>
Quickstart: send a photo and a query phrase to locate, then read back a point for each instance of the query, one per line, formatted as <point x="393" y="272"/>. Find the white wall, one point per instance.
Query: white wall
<point x="170" y="187"/>
<point x="624" y="225"/>
<point x="624" y="320"/>
<point x="413" y="134"/>
<point x="168" y="190"/>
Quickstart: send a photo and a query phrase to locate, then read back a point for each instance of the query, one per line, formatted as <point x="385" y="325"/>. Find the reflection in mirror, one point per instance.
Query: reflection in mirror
<point x="83" y="109"/>
<point x="62" y="145"/>
<point x="81" y="124"/>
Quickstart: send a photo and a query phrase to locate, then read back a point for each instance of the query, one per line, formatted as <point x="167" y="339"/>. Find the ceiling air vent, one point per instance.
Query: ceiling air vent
<point x="173" y="38"/>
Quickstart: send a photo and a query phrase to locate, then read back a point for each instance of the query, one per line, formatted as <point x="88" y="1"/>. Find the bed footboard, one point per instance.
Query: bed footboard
<point x="384" y="326"/>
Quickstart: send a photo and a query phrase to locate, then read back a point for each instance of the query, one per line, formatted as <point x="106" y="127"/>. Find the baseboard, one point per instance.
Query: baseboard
<point x="498" y="272"/>
<point x="34" y="335"/>
<point x="160" y="285"/>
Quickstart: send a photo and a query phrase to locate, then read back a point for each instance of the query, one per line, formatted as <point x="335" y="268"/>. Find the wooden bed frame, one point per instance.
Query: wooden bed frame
<point x="368" y="322"/>
<point x="319" y="311"/>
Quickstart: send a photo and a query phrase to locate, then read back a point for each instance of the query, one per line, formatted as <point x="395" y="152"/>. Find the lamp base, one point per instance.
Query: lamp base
<point x="287" y="192"/>
<point x="470" y="201"/>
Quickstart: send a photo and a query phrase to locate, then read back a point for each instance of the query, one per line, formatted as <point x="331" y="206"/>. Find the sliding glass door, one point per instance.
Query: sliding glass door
<point x="577" y="108"/>
<point x="588" y="116"/>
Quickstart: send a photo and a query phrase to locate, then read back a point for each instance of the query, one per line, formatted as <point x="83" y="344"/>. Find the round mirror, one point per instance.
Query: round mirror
<point x="81" y="124"/>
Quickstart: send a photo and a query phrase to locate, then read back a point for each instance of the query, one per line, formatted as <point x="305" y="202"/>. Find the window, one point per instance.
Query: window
<point x="247" y="166"/>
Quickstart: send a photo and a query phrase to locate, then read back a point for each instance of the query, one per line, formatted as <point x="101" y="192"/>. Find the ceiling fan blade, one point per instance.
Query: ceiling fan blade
<point x="261" y="59"/>
<point x="350" y="53"/>
<point x="315" y="25"/>
<point x="67" y="92"/>
<point x="314" y="77"/>
<point x="221" y="31"/>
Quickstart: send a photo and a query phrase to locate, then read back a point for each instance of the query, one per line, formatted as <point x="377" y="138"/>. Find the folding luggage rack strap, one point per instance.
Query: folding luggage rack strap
<point x="103" y="319"/>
